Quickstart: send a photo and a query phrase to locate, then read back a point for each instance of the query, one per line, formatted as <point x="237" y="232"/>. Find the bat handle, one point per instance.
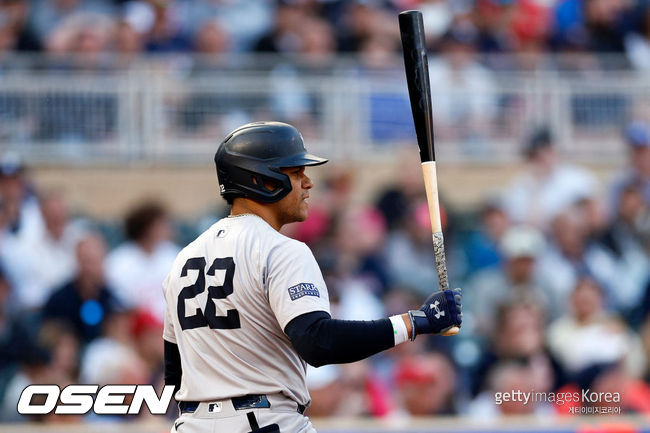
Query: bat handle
<point x="451" y="331"/>
<point x="441" y="267"/>
<point x="441" y="260"/>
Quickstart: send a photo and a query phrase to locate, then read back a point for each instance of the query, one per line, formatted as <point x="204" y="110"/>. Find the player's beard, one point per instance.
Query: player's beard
<point x="293" y="208"/>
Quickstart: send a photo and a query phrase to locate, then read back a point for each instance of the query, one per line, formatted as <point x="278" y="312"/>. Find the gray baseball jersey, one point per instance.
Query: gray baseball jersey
<point x="229" y="295"/>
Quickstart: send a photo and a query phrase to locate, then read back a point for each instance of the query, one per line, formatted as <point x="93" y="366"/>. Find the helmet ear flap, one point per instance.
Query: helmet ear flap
<point x="268" y="184"/>
<point x="267" y="187"/>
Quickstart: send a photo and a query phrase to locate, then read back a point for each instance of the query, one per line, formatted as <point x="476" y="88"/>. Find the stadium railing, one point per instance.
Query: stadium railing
<point x="175" y="109"/>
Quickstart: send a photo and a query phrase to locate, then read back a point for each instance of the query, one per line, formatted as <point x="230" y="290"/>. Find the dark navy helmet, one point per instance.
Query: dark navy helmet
<point x="254" y="154"/>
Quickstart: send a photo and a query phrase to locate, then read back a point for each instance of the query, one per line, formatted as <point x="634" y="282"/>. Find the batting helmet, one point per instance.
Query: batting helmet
<point x="255" y="153"/>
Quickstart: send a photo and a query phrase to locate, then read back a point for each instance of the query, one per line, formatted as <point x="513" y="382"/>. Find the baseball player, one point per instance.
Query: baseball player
<point x="247" y="307"/>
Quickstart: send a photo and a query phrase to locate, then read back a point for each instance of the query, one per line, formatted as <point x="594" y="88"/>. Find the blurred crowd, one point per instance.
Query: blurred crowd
<point x="555" y="268"/>
<point x="320" y="28"/>
<point x="189" y="61"/>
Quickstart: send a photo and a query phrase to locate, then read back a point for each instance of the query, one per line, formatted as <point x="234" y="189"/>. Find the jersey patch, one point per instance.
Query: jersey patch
<point x="303" y="289"/>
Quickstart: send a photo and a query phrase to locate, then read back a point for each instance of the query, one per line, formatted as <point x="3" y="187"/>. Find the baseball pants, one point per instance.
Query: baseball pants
<point x="222" y="417"/>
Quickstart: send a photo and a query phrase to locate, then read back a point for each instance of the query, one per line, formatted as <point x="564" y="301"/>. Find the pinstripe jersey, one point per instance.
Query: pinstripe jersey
<point x="229" y="296"/>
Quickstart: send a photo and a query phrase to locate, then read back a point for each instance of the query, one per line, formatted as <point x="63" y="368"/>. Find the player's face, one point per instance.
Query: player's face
<point x="294" y="207"/>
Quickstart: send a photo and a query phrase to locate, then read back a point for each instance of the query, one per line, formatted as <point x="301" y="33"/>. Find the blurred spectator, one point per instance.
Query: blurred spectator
<point x="62" y="342"/>
<point x="23" y="218"/>
<point x="515" y="280"/>
<point x="161" y="23"/>
<point x="47" y="355"/>
<point x="146" y="330"/>
<point x="116" y="338"/>
<point x="395" y="200"/>
<point x="47" y="260"/>
<point x="7" y="39"/>
<point x="137" y="268"/>
<point x="637" y="43"/>
<point x="572" y="255"/>
<point x="504" y="379"/>
<point x="464" y="90"/>
<point x="318" y="44"/>
<point x="85" y="301"/>
<point x="17" y="334"/>
<point x="284" y="36"/>
<point x="244" y="20"/>
<point x="359" y="235"/>
<point x="507" y="26"/>
<point x="378" y="53"/>
<point x="481" y="246"/>
<point x="589" y="336"/>
<point x="361" y="21"/>
<point x="211" y="40"/>
<point x="547" y="186"/>
<point x="115" y="364"/>
<point x="361" y="392"/>
<point x="437" y="15"/>
<point x="84" y="35"/>
<point x="14" y="32"/>
<point x="627" y="239"/>
<point x="594" y="25"/>
<point x="21" y="222"/>
<point x="33" y="368"/>
<point x="353" y="264"/>
<point x="325" y="390"/>
<point x="637" y="136"/>
<point x="128" y="43"/>
<point x="425" y="385"/>
<point x="523" y="324"/>
<point x="409" y="253"/>
<point x="635" y="393"/>
<point x="47" y="15"/>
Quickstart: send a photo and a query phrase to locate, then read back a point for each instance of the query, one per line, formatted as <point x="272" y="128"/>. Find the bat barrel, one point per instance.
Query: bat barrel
<point x="411" y="27"/>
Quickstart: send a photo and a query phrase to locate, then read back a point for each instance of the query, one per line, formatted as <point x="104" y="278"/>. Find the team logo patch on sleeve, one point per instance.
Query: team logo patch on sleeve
<point x="303" y="289"/>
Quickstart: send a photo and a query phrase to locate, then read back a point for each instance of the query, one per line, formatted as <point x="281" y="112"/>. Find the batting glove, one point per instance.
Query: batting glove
<point x="439" y="313"/>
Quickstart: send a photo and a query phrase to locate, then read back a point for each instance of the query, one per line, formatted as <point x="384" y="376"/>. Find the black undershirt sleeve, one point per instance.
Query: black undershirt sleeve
<point x="173" y="369"/>
<point x="321" y="340"/>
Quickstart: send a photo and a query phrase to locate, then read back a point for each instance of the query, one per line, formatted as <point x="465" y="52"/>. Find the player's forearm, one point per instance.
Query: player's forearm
<point x="173" y="370"/>
<point x="321" y="340"/>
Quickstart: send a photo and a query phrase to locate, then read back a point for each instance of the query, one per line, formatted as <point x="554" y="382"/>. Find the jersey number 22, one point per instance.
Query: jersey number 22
<point x="208" y="317"/>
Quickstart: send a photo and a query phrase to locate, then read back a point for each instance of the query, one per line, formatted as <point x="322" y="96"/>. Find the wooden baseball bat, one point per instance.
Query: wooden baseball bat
<point x="417" y="77"/>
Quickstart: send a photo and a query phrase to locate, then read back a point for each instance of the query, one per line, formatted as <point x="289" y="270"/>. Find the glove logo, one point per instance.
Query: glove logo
<point x="439" y="313"/>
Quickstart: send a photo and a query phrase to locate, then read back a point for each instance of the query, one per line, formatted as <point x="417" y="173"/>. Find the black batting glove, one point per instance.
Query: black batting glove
<point x="439" y="313"/>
